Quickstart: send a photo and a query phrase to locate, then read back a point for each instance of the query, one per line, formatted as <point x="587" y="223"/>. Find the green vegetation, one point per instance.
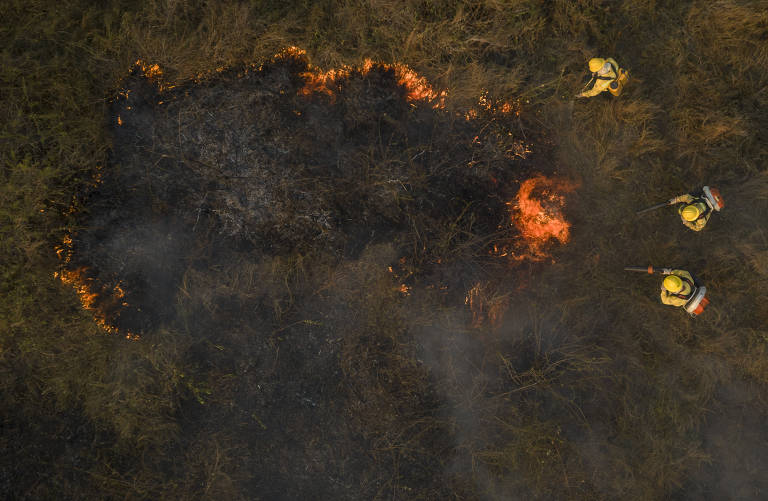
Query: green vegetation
<point x="588" y="389"/>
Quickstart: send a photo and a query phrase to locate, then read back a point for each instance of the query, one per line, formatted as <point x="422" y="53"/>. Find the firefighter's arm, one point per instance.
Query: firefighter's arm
<point x="600" y="86"/>
<point x="700" y="223"/>
<point x="683" y="274"/>
<point x="694" y="225"/>
<point x="682" y="199"/>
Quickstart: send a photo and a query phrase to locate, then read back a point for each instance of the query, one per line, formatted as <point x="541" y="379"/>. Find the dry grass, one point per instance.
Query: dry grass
<point x="589" y="389"/>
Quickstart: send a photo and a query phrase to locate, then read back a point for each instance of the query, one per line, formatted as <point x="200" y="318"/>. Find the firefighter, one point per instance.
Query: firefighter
<point x="677" y="288"/>
<point x="607" y="76"/>
<point x="695" y="210"/>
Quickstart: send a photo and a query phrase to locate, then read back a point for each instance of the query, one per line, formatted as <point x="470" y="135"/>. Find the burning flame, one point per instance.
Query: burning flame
<point x="152" y="71"/>
<point x="417" y="87"/>
<point x="537" y="213"/>
<point x="86" y="290"/>
<point x="321" y="82"/>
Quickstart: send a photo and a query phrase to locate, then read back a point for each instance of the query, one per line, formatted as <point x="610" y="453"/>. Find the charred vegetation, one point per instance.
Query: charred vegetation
<point x="322" y="332"/>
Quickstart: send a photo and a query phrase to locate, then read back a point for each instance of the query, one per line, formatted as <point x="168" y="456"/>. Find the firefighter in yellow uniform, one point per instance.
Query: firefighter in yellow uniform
<point x="677" y="288"/>
<point x="696" y="210"/>
<point x="607" y="76"/>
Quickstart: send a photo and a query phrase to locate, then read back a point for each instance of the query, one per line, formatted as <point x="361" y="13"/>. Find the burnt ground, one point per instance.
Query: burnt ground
<point x="271" y="231"/>
<point x="251" y="165"/>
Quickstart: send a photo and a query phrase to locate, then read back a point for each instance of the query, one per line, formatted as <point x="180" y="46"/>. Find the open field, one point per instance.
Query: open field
<point x="307" y="373"/>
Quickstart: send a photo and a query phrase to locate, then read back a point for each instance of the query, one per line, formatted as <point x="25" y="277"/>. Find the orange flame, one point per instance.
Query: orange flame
<point x="151" y="70"/>
<point x="86" y="292"/>
<point x="537" y="212"/>
<point x="417" y="87"/>
<point x="154" y="73"/>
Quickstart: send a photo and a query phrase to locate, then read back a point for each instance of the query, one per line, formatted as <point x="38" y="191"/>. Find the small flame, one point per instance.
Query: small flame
<point x="152" y="71"/>
<point x="86" y="290"/>
<point x="417" y="87"/>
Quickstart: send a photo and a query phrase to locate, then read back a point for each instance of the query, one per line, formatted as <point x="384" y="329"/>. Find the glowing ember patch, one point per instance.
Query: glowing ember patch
<point x="405" y="290"/>
<point x="119" y="120"/>
<point x="154" y="73"/>
<point x="151" y="70"/>
<point x="537" y="212"/>
<point x="494" y="106"/>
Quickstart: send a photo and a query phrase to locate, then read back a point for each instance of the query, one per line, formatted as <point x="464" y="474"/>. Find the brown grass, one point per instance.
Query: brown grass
<point x="590" y="388"/>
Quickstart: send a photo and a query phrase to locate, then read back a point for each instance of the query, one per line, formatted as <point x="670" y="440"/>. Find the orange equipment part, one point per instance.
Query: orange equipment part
<point x="621" y="81"/>
<point x="718" y="197"/>
<point x="700" y="308"/>
<point x="714" y="198"/>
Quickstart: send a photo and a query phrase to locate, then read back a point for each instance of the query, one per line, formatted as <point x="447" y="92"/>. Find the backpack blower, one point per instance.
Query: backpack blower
<point x="711" y="197"/>
<point x="698" y="300"/>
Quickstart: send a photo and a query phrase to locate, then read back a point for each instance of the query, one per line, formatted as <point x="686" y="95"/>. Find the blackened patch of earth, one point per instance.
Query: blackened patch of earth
<point x="266" y="230"/>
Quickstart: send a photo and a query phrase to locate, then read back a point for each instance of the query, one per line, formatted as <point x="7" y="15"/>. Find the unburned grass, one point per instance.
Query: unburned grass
<point x="589" y="387"/>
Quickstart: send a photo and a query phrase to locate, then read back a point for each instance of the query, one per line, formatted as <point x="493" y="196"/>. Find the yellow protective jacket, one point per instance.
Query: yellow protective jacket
<point x="682" y="297"/>
<point x="701" y="222"/>
<point x="602" y="82"/>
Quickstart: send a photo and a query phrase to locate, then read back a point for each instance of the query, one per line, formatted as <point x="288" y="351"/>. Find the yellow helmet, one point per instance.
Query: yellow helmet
<point x="691" y="212"/>
<point x="596" y="63"/>
<point x="673" y="283"/>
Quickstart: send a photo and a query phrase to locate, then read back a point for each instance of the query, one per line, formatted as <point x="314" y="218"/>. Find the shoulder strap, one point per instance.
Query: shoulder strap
<point x="684" y="296"/>
<point x="615" y="71"/>
<point x="707" y="209"/>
